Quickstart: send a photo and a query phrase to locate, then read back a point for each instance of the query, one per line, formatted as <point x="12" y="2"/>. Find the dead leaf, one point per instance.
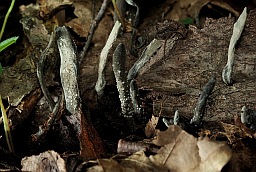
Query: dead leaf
<point x="138" y="162"/>
<point x="150" y="129"/>
<point x="179" y="153"/>
<point x="48" y="6"/>
<point x="214" y="155"/>
<point x="46" y="161"/>
<point x="183" y="152"/>
<point x="234" y="133"/>
<point x="81" y="24"/>
<point x="107" y="165"/>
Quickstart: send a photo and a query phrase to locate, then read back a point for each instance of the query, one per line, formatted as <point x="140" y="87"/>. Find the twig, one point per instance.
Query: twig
<point x="120" y="16"/>
<point x="130" y="147"/>
<point x="200" y="108"/>
<point x="7" y="130"/>
<point x="40" y="71"/>
<point x="93" y="27"/>
<point x="47" y="124"/>
<point x="101" y="82"/>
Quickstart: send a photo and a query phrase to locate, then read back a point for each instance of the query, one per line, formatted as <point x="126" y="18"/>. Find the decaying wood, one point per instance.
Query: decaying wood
<point x="18" y="114"/>
<point x="132" y="147"/>
<point x="177" y="82"/>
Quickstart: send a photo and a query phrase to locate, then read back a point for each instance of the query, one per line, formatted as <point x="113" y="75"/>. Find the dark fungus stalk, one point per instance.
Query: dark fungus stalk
<point x="40" y="71"/>
<point x="119" y="58"/>
<point x="120" y="8"/>
<point x="128" y="93"/>
<point x="200" y="108"/>
<point x="136" y="18"/>
<point x="135" y="97"/>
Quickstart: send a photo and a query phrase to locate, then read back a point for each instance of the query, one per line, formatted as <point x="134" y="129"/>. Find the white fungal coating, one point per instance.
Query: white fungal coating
<point x="68" y="69"/>
<point x="237" y="30"/>
<point x="101" y="82"/>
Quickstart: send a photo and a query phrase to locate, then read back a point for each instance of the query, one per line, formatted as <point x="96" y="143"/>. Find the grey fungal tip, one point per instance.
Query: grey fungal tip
<point x="200" y="108"/>
<point x="244" y="115"/>
<point x="120" y="54"/>
<point x="166" y="122"/>
<point x="176" y="118"/>
<point x="63" y="33"/>
<point x="248" y="117"/>
<point x="146" y="56"/>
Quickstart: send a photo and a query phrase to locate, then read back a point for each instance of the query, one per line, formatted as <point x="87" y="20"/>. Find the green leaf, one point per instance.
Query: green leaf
<point x="6" y="43"/>
<point x="187" y="21"/>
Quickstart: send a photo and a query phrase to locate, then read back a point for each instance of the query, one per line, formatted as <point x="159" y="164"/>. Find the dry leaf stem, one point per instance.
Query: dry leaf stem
<point x="6" y="127"/>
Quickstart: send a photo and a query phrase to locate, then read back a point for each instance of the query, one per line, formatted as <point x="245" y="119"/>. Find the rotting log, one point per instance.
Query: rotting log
<point x="176" y="79"/>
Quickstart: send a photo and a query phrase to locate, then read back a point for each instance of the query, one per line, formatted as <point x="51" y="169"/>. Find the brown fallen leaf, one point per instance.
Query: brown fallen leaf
<point x="183" y="152"/>
<point x="138" y="162"/>
<point x="150" y="129"/>
<point x="106" y="165"/>
<point x="235" y="133"/>
<point x="214" y="155"/>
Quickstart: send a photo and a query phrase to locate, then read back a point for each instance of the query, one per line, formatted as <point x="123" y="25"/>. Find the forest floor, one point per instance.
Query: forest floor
<point x="175" y="113"/>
